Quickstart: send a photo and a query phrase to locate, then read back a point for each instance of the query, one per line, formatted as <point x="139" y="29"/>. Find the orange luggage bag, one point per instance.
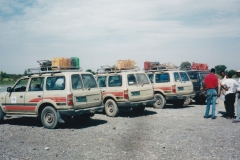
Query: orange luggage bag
<point x="57" y="63"/>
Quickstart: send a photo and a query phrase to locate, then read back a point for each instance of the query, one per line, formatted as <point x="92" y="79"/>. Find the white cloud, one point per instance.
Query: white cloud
<point x="103" y="31"/>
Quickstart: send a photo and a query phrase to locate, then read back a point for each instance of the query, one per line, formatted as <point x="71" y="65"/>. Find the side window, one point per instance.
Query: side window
<point x="115" y="81"/>
<point x="36" y="84"/>
<point x="131" y="80"/>
<point x="184" y="76"/>
<point x="150" y="76"/>
<point x="161" y="78"/>
<point x="76" y="81"/>
<point x="102" y="81"/>
<point x="142" y="78"/>
<point x="89" y="81"/>
<point x="177" y="77"/>
<point x="21" y="85"/>
<point x="55" y="83"/>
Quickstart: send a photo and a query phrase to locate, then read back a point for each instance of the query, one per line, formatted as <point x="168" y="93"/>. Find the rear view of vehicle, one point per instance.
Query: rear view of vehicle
<point x="125" y="88"/>
<point x="170" y="84"/>
<point x="197" y="72"/>
<point x="197" y="78"/>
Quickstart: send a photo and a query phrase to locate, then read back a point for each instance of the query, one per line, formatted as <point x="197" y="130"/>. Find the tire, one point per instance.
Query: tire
<point x="1" y="115"/>
<point x="187" y="101"/>
<point x="49" y="117"/>
<point x="83" y="118"/>
<point x="138" y="109"/>
<point x="111" y="108"/>
<point x="161" y="101"/>
<point x="178" y="103"/>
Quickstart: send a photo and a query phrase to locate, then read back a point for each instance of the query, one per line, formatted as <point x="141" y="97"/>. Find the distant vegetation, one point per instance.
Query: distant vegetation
<point x="6" y="78"/>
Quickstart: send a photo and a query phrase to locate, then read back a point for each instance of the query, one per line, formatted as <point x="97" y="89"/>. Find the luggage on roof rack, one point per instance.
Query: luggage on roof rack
<point x="199" y="66"/>
<point x="157" y="66"/>
<point x="75" y="62"/>
<point x="45" y="65"/>
<point x="125" y="64"/>
<point x="108" y="69"/>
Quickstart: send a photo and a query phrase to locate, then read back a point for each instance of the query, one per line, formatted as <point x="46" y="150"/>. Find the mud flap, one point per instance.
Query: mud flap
<point x="59" y="118"/>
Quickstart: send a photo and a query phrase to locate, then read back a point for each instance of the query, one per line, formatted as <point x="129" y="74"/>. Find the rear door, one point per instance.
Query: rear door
<point x="34" y="94"/>
<point x="78" y="91"/>
<point x="183" y="83"/>
<point x="196" y="80"/>
<point x="139" y="87"/>
<point x="92" y="91"/>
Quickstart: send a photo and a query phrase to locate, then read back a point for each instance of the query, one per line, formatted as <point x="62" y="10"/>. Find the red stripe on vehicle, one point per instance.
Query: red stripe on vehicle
<point x="15" y="108"/>
<point x="55" y="99"/>
<point x="164" y="88"/>
<point x="113" y="93"/>
<point x="30" y="108"/>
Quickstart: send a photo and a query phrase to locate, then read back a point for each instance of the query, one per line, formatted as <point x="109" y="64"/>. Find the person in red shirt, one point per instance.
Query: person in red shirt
<point x="211" y="87"/>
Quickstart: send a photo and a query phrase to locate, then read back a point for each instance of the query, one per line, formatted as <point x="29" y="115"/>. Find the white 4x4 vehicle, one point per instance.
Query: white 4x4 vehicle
<point x="125" y="89"/>
<point x="53" y="96"/>
<point x="171" y="86"/>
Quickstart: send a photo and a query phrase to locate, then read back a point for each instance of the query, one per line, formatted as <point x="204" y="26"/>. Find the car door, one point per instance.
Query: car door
<point x="115" y="87"/>
<point x="78" y="91"/>
<point x="183" y="83"/>
<point x="139" y="87"/>
<point x="93" y="92"/>
<point x="102" y="83"/>
<point x="34" y="94"/>
<point x="15" y="98"/>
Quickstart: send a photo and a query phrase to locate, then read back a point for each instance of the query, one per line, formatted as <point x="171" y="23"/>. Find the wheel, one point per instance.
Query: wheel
<point x="187" y="101"/>
<point x="1" y="115"/>
<point x="161" y="101"/>
<point x="138" y="109"/>
<point x="49" y="117"/>
<point x="178" y="103"/>
<point x="83" y="118"/>
<point x="111" y="108"/>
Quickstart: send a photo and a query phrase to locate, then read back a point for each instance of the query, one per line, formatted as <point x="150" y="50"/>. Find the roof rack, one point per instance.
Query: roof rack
<point x="52" y="70"/>
<point x="108" y="69"/>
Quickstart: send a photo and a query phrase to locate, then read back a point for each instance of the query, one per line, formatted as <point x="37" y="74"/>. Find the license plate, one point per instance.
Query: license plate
<point x="81" y="99"/>
<point x="180" y="88"/>
<point x="135" y="93"/>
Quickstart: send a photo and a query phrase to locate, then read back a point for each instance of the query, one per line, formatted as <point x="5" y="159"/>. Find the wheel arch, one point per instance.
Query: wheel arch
<point x="42" y="106"/>
<point x="107" y="98"/>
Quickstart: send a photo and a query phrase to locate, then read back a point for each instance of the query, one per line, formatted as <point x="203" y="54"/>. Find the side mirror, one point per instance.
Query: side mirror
<point x="9" y="89"/>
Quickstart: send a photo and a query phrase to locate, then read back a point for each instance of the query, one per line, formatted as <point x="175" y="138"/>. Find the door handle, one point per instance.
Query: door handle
<point x="39" y="95"/>
<point x="21" y="96"/>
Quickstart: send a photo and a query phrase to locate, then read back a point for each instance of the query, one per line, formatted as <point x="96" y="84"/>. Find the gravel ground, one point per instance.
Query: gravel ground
<point x="171" y="133"/>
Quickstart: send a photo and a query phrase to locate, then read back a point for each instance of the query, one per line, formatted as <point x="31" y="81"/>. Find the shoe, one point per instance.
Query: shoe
<point x="214" y="117"/>
<point x="205" y="117"/>
<point x="235" y="121"/>
<point x="229" y="118"/>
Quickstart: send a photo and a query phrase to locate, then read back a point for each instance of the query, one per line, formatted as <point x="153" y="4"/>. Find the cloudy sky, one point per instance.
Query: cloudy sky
<point x="101" y="32"/>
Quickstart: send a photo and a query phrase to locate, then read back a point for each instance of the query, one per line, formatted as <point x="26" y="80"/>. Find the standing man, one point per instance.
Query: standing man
<point x="211" y="87"/>
<point x="230" y="85"/>
<point x="238" y="99"/>
<point x="222" y="91"/>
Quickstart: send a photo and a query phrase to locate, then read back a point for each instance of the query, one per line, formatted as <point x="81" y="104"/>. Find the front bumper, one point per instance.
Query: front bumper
<point x="147" y="103"/>
<point x="76" y="112"/>
<point x="180" y="97"/>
